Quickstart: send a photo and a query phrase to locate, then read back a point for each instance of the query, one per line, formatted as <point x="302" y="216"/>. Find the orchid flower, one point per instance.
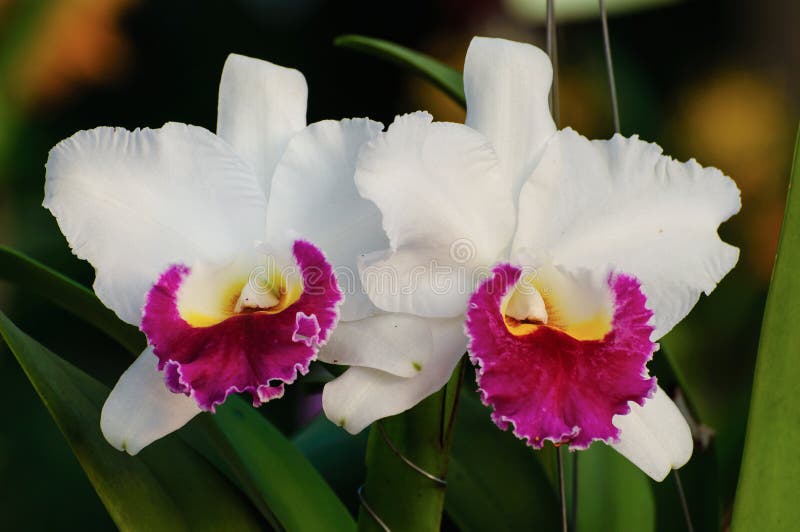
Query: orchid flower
<point x="585" y="254"/>
<point x="195" y="238"/>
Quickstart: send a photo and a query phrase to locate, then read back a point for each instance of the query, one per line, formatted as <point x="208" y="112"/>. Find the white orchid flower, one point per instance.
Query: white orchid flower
<point x="604" y="246"/>
<point x="195" y="238"/>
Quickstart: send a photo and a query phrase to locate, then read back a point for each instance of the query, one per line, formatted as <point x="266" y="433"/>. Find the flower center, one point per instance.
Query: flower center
<point x="247" y="284"/>
<point x="548" y="298"/>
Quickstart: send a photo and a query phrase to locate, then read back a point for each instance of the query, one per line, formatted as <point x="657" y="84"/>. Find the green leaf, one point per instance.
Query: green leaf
<point x="495" y="481"/>
<point x="447" y="79"/>
<point x="766" y="498"/>
<point x="337" y="455"/>
<point x="402" y="497"/>
<point x="613" y="494"/>
<point x="700" y="477"/>
<point x="273" y="473"/>
<point x="279" y="478"/>
<point x="167" y="487"/>
<point x="69" y="295"/>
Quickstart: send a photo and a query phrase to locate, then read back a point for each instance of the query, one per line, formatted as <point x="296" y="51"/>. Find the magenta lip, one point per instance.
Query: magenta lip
<point x="547" y="385"/>
<point x="252" y="352"/>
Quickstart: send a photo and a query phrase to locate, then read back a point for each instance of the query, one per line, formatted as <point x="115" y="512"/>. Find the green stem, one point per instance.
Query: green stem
<point x="402" y="497"/>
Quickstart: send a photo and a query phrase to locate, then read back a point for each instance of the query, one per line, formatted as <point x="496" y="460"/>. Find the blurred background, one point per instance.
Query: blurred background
<point x="717" y="80"/>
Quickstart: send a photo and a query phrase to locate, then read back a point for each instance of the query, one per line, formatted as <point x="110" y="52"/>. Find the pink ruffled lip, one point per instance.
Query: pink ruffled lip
<point x="548" y="385"/>
<point x="254" y="352"/>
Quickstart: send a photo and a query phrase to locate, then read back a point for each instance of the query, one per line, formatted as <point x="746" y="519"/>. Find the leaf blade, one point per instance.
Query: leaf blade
<point x="146" y="492"/>
<point x="765" y="496"/>
<point x="495" y="482"/>
<point x="22" y="270"/>
<point x="258" y="454"/>
<point x="449" y="80"/>
<point x="316" y="506"/>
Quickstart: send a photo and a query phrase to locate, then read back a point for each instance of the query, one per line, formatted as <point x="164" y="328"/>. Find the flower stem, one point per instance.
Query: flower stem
<point x="561" y="489"/>
<point x="574" y="507"/>
<point x="402" y="497"/>
<point x="684" y="505"/>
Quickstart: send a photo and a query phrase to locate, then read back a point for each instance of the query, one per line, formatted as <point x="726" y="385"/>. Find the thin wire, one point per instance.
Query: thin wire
<point x="684" y="504"/>
<point x="370" y="511"/>
<point x="612" y="84"/>
<point x="560" y="461"/>
<point x="552" y="51"/>
<point x="409" y="463"/>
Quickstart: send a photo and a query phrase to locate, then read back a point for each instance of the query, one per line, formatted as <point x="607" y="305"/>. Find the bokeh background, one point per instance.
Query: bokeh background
<point x="718" y="80"/>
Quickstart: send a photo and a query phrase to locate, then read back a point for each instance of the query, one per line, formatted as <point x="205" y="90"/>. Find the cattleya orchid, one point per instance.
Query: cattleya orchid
<point x="585" y="253"/>
<point x="204" y="241"/>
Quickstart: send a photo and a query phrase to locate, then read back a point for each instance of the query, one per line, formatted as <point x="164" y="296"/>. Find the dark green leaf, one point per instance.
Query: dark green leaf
<point x="279" y="478"/>
<point x="403" y="498"/>
<point x="766" y="498"/>
<point x="613" y="494"/>
<point x="337" y="455"/>
<point x="69" y="295"/>
<point x="495" y="481"/>
<point x="167" y="487"/>
<point x="447" y="79"/>
<point x="699" y="477"/>
<point x="275" y="475"/>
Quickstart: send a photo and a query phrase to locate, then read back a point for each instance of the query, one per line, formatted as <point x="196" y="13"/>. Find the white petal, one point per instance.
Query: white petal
<point x="261" y="106"/>
<point x="446" y="211"/>
<point x="132" y="202"/>
<point x="622" y="204"/>
<point x="507" y="85"/>
<point x="655" y="437"/>
<point x="314" y="195"/>
<point x="363" y="395"/>
<point x="141" y="409"/>
<point x="399" y="344"/>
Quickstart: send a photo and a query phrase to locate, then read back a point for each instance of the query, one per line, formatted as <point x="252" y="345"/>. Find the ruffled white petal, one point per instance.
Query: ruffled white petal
<point x="655" y="437"/>
<point x="141" y="409"/>
<point x="622" y="204"/>
<point x="399" y="344"/>
<point x="362" y="395"/>
<point x="314" y="196"/>
<point x="446" y="210"/>
<point x="132" y="202"/>
<point x="507" y="84"/>
<point x="261" y="105"/>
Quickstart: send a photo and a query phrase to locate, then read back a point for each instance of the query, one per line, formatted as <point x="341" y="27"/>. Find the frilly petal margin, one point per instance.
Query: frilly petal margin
<point x="622" y="202"/>
<point x="253" y="352"/>
<point x="133" y="202"/>
<point x="548" y="385"/>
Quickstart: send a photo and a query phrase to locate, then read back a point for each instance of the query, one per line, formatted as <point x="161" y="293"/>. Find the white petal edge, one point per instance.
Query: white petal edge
<point x="507" y="84"/>
<point x="132" y="202"/>
<point x="399" y="344"/>
<point x="445" y="208"/>
<point x="655" y="437"/>
<point x="622" y="204"/>
<point x="140" y="408"/>
<point x="362" y="395"/>
<point x="261" y="105"/>
<point x="314" y="196"/>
